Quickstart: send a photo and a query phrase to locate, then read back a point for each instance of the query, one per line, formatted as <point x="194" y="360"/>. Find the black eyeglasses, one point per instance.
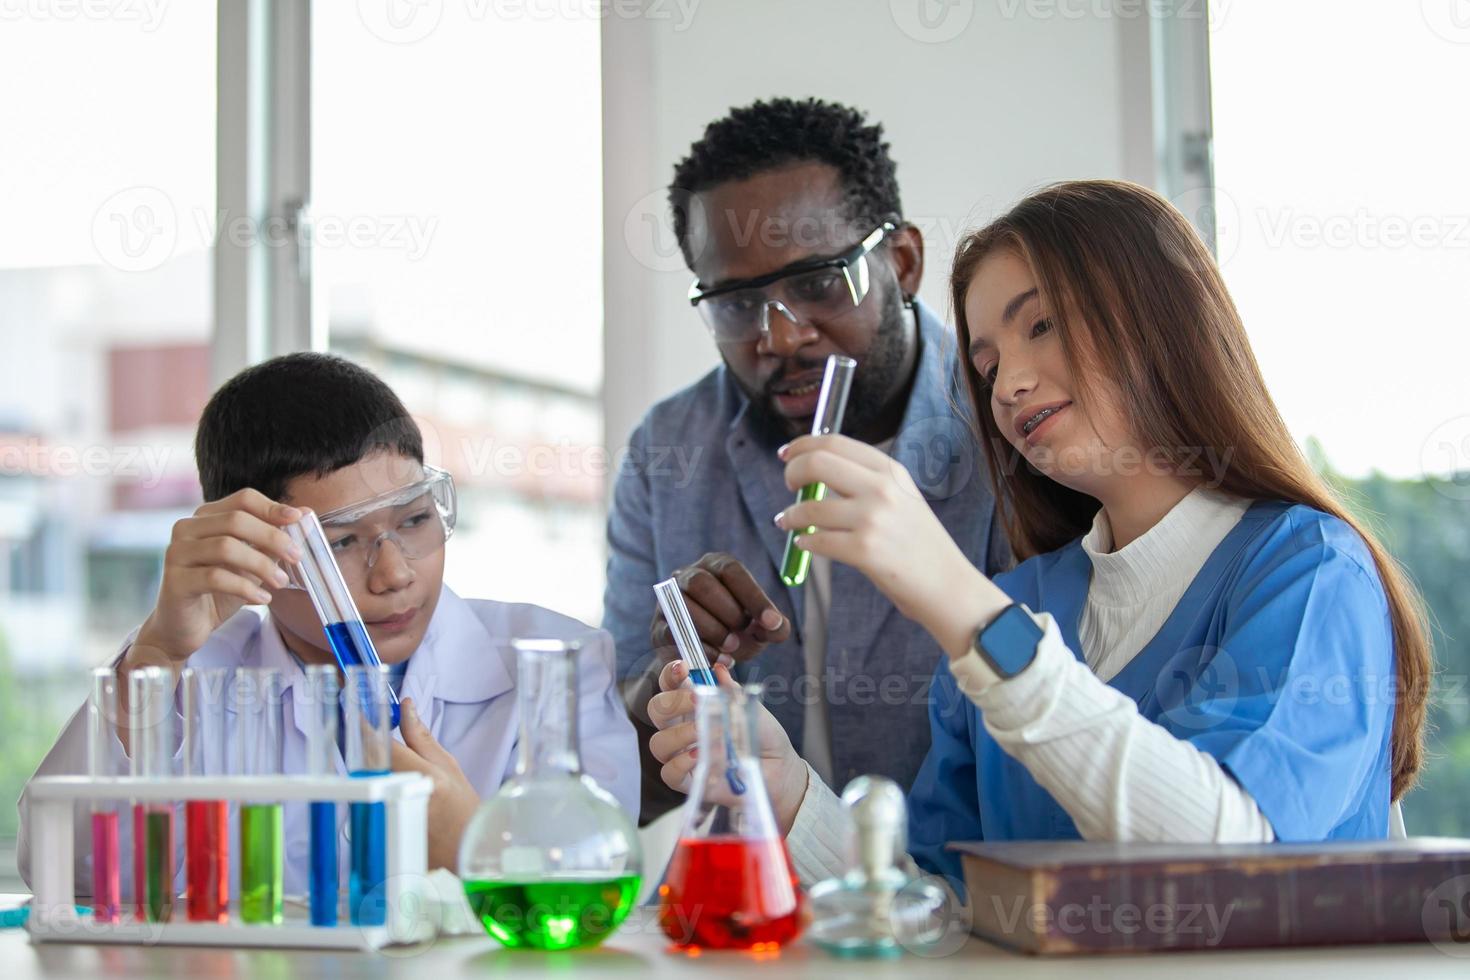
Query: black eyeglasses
<point x="821" y="290"/>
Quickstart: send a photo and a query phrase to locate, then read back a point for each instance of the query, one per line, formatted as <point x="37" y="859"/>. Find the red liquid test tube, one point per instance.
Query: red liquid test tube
<point x="206" y="822"/>
<point x="102" y="762"/>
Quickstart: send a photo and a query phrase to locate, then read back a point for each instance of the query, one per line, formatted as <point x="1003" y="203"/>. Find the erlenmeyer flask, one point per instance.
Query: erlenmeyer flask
<point x="729" y="884"/>
<point x="550" y="861"/>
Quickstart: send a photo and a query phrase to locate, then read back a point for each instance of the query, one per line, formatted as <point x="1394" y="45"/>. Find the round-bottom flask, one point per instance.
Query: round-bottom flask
<point x="551" y="861"/>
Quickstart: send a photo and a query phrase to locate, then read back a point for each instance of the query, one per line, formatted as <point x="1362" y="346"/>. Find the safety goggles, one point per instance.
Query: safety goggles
<point x="809" y="292"/>
<point x="417" y="518"/>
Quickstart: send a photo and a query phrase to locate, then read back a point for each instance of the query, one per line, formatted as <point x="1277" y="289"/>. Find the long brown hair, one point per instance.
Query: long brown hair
<point x="1135" y="297"/>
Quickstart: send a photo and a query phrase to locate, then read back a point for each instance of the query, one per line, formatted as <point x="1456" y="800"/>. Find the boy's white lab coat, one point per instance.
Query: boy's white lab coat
<point x="462" y="678"/>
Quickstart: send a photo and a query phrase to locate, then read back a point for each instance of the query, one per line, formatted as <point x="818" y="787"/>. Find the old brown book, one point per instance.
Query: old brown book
<point x="1058" y="897"/>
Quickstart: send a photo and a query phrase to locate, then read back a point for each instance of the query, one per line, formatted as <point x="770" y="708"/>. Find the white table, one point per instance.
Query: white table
<point x="639" y="950"/>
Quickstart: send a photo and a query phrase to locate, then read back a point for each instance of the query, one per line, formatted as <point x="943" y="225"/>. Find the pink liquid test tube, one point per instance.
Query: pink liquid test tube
<point x="101" y="763"/>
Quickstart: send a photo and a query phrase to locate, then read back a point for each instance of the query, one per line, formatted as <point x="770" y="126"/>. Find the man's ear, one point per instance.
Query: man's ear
<point x="906" y="251"/>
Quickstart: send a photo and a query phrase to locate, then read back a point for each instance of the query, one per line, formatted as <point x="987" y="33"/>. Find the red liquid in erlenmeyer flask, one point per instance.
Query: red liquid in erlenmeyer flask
<point x="730" y="893"/>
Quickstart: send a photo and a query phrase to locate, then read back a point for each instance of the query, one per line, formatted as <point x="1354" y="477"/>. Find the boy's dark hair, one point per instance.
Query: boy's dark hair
<point x="295" y="415"/>
<point x="775" y="133"/>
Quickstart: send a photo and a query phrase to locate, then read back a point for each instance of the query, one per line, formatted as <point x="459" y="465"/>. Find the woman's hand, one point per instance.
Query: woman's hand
<point x="454" y="800"/>
<point x="879" y="523"/>
<point x="675" y="744"/>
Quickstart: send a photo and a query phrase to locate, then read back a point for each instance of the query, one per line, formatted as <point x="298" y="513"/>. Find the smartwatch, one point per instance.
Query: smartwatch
<point x="1008" y="642"/>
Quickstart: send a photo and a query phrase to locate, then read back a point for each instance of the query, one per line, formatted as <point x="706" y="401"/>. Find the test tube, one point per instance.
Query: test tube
<point x="319" y="575"/>
<point x="368" y="738"/>
<point x="322" y="696"/>
<point x="831" y="404"/>
<point x="151" y="742"/>
<point x="206" y="822"/>
<point x="691" y="651"/>
<point x="686" y="637"/>
<point x="262" y="848"/>
<point x="101" y="757"/>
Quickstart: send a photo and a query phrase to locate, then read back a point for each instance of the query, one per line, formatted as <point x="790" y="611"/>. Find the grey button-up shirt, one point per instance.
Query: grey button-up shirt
<point x="698" y="478"/>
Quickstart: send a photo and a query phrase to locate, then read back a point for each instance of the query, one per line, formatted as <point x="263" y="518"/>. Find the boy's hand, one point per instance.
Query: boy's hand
<point x="217" y="561"/>
<point x="454" y="800"/>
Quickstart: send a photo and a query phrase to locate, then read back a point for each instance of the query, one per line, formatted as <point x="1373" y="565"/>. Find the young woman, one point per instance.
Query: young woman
<point x="1199" y="644"/>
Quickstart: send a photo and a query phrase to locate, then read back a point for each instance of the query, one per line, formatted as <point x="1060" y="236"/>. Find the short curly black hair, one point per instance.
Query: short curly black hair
<point x="774" y="133"/>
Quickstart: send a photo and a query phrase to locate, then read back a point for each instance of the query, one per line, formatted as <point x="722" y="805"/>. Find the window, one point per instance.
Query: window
<point x="105" y="314"/>
<point x="480" y="305"/>
<point x="1344" y="233"/>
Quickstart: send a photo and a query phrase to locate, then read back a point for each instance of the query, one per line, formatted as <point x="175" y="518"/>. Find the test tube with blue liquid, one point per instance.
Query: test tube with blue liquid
<point x="691" y="651"/>
<point x="322" y="696"/>
<point x="319" y="575"/>
<point x="367" y="700"/>
<point x="831" y="406"/>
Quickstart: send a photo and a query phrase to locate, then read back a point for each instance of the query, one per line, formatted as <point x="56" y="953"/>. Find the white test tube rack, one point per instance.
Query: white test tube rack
<point x="53" y="917"/>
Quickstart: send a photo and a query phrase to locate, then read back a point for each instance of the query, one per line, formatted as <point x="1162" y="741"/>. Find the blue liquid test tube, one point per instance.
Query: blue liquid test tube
<point x="366" y="702"/>
<point x="691" y="651"/>
<point x="318" y="574"/>
<point x="323" y="692"/>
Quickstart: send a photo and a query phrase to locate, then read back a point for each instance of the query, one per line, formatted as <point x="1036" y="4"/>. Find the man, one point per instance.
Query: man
<point x="788" y="214"/>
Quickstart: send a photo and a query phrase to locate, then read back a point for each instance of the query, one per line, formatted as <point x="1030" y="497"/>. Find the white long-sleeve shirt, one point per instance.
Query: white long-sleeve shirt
<point x="1117" y="774"/>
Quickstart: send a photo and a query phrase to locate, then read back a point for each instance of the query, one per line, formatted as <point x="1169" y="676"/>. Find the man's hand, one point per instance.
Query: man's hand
<point x="674" y="746"/>
<point x="454" y="800"/>
<point x="733" y="615"/>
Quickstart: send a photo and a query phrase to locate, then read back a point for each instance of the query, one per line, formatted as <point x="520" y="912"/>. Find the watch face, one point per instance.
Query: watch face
<point x="1010" y="641"/>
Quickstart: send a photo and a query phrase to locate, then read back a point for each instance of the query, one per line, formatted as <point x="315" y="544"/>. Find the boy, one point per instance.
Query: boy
<point x="316" y="431"/>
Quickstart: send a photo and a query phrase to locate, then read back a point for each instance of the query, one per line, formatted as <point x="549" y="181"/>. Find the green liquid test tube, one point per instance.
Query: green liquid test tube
<point x="262" y="862"/>
<point x="258" y="695"/>
<point x="831" y="405"/>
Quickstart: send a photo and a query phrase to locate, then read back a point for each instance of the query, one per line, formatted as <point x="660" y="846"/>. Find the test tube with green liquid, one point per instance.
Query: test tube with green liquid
<point x="151" y="744"/>
<point x="258" y="694"/>
<point x="831" y="404"/>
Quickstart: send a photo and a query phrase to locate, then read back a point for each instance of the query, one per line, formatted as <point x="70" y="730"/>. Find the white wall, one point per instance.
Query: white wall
<point x="1023" y="93"/>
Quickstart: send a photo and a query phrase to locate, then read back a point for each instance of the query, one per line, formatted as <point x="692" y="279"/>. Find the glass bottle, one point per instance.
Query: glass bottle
<point x="551" y="861"/>
<point x="730" y="884"/>
<point x="881" y="907"/>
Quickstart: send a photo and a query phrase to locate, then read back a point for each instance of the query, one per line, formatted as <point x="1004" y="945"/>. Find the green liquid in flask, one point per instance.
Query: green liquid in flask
<point x="554" y="913"/>
<point x="795" y="562"/>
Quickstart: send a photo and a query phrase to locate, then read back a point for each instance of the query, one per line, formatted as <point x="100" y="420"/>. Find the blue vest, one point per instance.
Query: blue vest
<point x="1278" y="661"/>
